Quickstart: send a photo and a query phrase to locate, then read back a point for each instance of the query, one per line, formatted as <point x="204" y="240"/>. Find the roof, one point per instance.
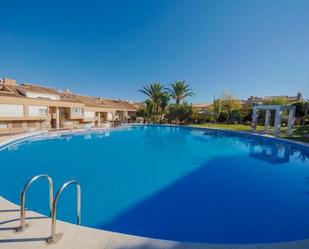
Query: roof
<point x="47" y="90"/>
<point x="89" y="101"/>
<point x="99" y="102"/>
<point x="138" y="104"/>
<point x="119" y="104"/>
<point x="19" y="91"/>
<point x="38" y="89"/>
<point x="200" y="105"/>
<point x="8" y="91"/>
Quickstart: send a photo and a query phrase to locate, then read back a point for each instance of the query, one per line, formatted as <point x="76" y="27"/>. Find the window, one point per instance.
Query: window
<point x="3" y="126"/>
<point x="38" y="111"/>
<point x="11" y="110"/>
<point x="42" y="96"/>
<point x="31" y="124"/>
<point x="43" y="112"/>
<point x="17" y="125"/>
<point x="77" y="111"/>
<point x="89" y="115"/>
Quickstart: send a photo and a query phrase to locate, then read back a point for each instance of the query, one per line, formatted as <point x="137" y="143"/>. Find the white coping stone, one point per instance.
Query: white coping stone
<point x="20" y="137"/>
<point x="80" y="237"/>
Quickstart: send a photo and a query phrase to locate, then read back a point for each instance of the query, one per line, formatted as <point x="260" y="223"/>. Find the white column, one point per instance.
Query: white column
<point x="254" y="119"/>
<point x="267" y="119"/>
<point x="99" y="119"/>
<point x="125" y="115"/>
<point x="57" y="118"/>
<point x="277" y="120"/>
<point x="291" y="119"/>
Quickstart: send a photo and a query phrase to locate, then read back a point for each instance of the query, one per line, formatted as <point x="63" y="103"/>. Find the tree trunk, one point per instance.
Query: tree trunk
<point x="228" y="120"/>
<point x="305" y="115"/>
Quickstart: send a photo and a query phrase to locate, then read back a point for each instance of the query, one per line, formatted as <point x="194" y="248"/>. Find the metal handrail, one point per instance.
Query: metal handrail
<point x="55" y="237"/>
<point x="23" y="224"/>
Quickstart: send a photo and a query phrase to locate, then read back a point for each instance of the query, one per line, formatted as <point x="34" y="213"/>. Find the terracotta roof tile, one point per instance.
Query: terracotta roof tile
<point x="21" y="90"/>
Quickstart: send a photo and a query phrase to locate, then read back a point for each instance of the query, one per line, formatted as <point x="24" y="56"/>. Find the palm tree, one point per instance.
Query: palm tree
<point x="154" y="92"/>
<point x="150" y="107"/>
<point x="165" y="98"/>
<point x="179" y="91"/>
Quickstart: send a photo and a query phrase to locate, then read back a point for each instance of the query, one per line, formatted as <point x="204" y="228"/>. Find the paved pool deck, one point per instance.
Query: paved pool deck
<point x="80" y="237"/>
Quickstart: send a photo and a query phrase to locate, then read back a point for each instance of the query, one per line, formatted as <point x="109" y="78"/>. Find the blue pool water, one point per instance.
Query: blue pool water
<point x="169" y="183"/>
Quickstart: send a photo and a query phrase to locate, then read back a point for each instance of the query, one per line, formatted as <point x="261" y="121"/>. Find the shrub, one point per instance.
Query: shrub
<point x="180" y="112"/>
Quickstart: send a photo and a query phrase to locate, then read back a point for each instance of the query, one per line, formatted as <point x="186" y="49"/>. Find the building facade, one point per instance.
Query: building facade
<point x="253" y="100"/>
<point x="199" y="107"/>
<point x="27" y="107"/>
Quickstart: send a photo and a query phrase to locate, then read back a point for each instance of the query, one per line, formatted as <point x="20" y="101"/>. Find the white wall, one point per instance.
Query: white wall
<point x="110" y="116"/>
<point x="89" y="114"/>
<point x="42" y="96"/>
<point x="36" y="111"/>
<point x="11" y="110"/>
<point x="77" y="111"/>
<point x="68" y="123"/>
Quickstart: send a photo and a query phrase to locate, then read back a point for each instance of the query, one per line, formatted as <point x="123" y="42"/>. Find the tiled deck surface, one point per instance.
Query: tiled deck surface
<point x="4" y="138"/>
<point x="11" y="138"/>
<point x="79" y="237"/>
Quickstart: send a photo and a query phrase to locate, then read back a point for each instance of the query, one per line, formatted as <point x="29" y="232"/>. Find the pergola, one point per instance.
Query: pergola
<point x="278" y="113"/>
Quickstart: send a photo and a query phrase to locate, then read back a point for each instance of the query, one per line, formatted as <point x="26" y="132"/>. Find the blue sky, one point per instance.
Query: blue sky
<point x="113" y="48"/>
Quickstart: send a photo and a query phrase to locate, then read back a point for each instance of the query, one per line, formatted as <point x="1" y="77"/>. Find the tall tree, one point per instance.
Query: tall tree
<point x="180" y="113"/>
<point x="217" y="107"/>
<point x="150" y="108"/>
<point x="230" y="104"/>
<point x="165" y="98"/>
<point x="154" y="92"/>
<point x="179" y="91"/>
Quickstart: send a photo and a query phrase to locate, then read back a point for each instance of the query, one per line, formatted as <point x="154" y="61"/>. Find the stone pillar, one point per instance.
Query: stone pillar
<point x="48" y="121"/>
<point x="57" y="118"/>
<point x="10" y="127"/>
<point x="26" y="110"/>
<point x="277" y="120"/>
<point x="125" y="116"/>
<point x="254" y="119"/>
<point x="99" y="119"/>
<point x="113" y="118"/>
<point x="291" y="119"/>
<point x="267" y="119"/>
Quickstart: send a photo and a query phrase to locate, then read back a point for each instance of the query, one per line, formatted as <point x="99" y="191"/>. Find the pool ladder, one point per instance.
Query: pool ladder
<point x="54" y="237"/>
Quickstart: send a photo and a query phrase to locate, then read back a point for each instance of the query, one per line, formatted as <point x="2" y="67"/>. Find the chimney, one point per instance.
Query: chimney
<point x="8" y="81"/>
<point x="299" y="96"/>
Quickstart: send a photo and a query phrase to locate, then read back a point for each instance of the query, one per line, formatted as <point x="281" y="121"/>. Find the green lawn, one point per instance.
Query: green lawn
<point x="298" y="134"/>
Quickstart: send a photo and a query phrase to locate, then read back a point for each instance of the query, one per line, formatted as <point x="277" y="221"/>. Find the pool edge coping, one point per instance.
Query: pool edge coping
<point x="254" y="134"/>
<point x="115" y="238"/>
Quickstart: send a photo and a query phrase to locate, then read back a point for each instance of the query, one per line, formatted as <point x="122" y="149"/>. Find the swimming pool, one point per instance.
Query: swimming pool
<point x="169" y="182"/>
